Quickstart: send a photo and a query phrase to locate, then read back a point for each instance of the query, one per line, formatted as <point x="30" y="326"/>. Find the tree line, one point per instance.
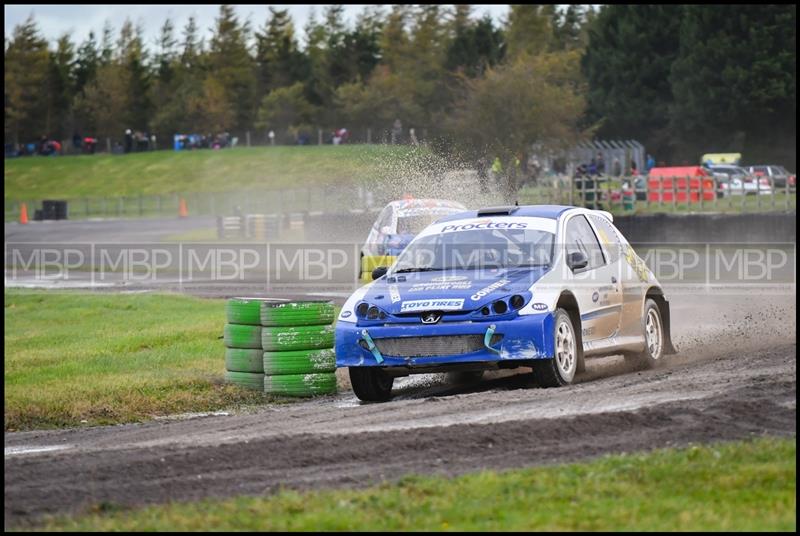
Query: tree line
<point x="680" y="79"/>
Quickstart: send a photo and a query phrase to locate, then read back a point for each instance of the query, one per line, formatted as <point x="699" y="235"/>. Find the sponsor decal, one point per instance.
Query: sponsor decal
<point x="539" y="306"/>
<point x="637" y="264"/>
<point x="484" y="225"/>
<point x="427" y="305"/>
<point x="587" y="331"/>
<point x="449" y="279"/>
<point x="346" y="314"/>
<point x="394" y="293"/>
<point x="489" y="289"/>
<point x="595" y="296"/>
<point x="437" y="285"/>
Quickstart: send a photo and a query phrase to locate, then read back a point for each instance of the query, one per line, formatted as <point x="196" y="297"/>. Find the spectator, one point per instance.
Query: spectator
<point x="651" y="163"/>
<point x="397" y="131"/>
<point x="616" y="167"/>
<point x="634" y="171"/>
<point x="601" y="164"/>
<point x="128" y="141"/>
<point x="483" y="167"/>
<point x="76" y="142"/>
<point x="497" y="168"/>
<point x="592" y="169"/>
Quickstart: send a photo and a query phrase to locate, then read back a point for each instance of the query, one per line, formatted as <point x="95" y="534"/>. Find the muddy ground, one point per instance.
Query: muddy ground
<point x="734" y="378"/>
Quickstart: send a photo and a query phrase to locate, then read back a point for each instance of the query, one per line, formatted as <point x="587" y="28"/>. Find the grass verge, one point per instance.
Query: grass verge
<point x="76" y="358"/>
<point x="166" y="172"/>
<point x="740" y="486"/>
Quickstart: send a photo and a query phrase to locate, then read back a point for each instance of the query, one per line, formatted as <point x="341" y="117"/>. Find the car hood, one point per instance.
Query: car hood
<point x="451" y="290"/>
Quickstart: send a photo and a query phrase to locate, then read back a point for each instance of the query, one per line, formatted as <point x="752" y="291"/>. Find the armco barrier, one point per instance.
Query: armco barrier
<point x="747" y="228"/>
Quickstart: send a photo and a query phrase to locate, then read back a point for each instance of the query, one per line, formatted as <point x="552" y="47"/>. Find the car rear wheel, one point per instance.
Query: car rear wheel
<point x="371" y="384"/>
<point x="653" y="338"/>
<point x="560" y="370"/>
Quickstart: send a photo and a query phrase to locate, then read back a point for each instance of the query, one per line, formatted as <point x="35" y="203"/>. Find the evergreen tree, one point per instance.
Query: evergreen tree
<point x="734" y="81"/>
<point x="231" y="67"/>
<point x="279" y="61"/>
<point x="627" y="66"/>
<point x="27" y="65"/>
<point x="61" y="88"/>
<point x="529" y="29"/>
<point x="86" y="64"/>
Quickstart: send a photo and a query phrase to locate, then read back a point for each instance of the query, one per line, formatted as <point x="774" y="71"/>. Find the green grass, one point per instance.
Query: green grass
<point x="72" y="357"/>
<point x="166" y="172"/>
<point x="741" y="486"/>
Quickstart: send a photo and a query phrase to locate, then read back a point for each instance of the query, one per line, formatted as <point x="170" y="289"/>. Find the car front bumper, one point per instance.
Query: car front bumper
<point x="522" y="338"/>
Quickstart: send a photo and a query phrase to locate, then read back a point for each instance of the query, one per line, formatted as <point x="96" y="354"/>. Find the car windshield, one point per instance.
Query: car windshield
<point x="415" y="224"/>
<point x="477" y="249"/>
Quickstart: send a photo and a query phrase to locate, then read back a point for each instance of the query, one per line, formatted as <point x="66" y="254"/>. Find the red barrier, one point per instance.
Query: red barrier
<point x="666" y="182"/>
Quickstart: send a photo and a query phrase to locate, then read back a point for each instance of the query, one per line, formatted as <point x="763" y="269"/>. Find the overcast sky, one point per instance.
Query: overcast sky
<point x="79" y="20"/>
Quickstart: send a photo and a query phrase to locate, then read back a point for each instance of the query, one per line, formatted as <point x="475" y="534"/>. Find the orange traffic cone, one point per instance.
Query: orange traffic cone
<point x="182" y="210"/>
<point x="23" y="213"/>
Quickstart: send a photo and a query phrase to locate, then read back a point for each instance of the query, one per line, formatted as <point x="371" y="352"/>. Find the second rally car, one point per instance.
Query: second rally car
<point x="502" y="287"/>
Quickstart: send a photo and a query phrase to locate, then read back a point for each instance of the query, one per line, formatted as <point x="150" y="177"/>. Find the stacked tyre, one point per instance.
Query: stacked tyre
<point x="244" y="356"/>
<point x="282" y="348"/>
<point x="297" y="338"/>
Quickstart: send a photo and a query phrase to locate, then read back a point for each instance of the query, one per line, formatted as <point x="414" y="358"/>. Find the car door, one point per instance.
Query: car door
<point x="629" y="270"/>
<point x="596" y="287"/>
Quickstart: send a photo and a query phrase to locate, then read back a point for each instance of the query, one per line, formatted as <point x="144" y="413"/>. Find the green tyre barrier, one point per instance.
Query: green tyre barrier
<point x="244" y="360"/>
<point x="301" y="384"/>
<point x="299" y="362"/>
<point x="250" y="380"/>
<point x="240" y="336"/>
<point x="297" y="338"/>
<point x="244" y="311"/>
<point x="301" y="313"/>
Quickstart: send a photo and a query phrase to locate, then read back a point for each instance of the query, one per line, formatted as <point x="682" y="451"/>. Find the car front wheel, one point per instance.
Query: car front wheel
<point x="560" y="370"/>
<point x="371" y="384"/>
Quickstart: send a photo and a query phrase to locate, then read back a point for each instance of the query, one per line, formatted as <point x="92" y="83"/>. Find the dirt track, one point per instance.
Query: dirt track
<point x="735" y="377"/>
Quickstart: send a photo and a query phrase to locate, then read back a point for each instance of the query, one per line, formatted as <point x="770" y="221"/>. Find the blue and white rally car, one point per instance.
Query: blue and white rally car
<point x="537" y="286"/>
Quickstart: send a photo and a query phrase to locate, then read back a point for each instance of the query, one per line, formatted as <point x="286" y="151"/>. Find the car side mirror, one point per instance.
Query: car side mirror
<point x="577" y="260"/>
<point x="379" y="272"/>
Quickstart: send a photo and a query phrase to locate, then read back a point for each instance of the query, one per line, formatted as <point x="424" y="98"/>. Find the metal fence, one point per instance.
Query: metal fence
<point x="641" y="194"/>
<point x="627" y="195"/>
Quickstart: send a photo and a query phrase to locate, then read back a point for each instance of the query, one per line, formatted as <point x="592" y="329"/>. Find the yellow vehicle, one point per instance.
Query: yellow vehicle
<point x="721" y="158"/>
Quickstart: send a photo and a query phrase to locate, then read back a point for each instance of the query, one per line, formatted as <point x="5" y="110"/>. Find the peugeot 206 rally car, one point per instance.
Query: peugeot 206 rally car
<point x="537" y="286"/>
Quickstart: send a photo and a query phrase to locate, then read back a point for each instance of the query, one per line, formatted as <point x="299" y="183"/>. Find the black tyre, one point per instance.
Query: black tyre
<point x="241" y="336"/>
<point x="300" y="313"/>
<point x="244" y="360"/>
<point x="299" y="362"/>
<point x="298" y="338"/>
<point x="561" y="369"/>
<point x="371" y="384"/>
<point x="654" y="340"/>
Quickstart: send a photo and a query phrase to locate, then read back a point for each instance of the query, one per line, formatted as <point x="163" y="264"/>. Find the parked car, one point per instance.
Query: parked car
<point x="740" y="181"/>
<point x="777" y="175"/>
<point x="541" y="286"/>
